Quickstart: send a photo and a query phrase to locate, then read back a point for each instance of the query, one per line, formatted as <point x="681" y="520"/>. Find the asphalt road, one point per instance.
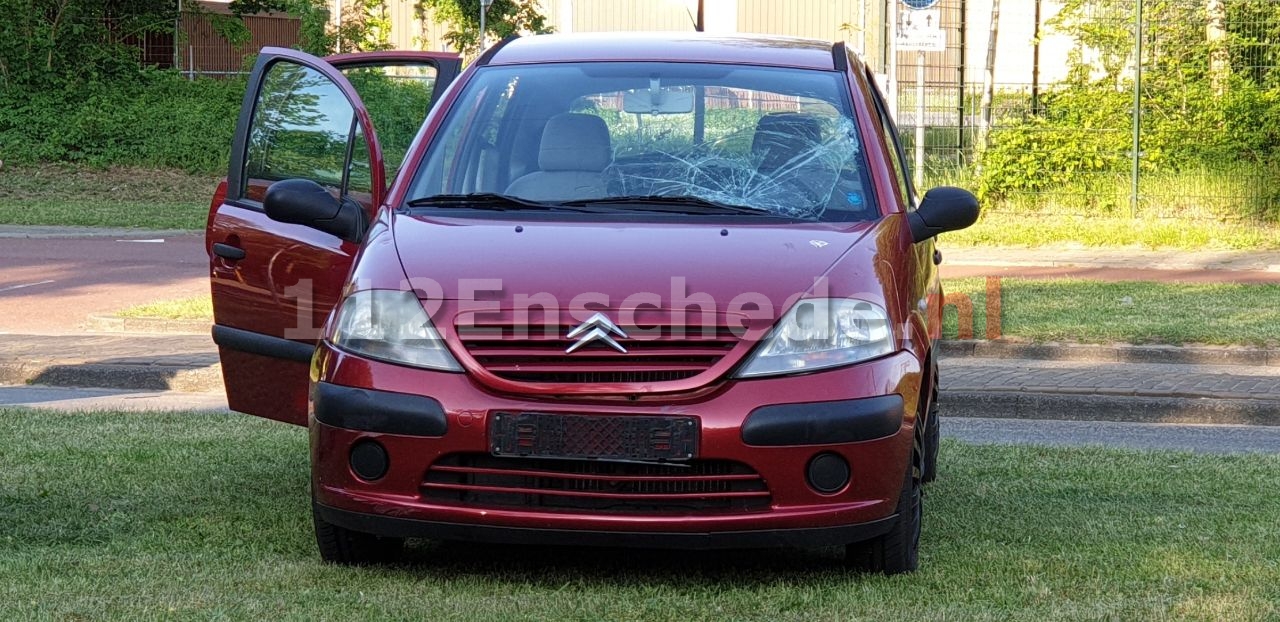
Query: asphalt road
<point x="1218" y="439"/>
<point x="51" y="285"/>
<point x="52" y="279"/>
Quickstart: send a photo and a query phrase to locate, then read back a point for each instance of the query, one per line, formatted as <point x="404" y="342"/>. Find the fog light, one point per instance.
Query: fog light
<point x="369" y="460"/>
<point x="828" y="473"/>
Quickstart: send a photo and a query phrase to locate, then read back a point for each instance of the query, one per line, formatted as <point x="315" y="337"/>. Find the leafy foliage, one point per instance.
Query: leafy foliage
<point x="504" y="18"/>
<point x="153" y="119"/>
<point x="48" y="43"/>
<point x="1192" y="119"/>
<point x="314" y="35"/>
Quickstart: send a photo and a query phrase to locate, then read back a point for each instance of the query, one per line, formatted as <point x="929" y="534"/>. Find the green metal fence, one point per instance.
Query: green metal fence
<point x="1193" y="84"/>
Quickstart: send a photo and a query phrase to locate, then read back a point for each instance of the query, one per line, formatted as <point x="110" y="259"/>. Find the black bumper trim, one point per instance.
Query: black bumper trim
<point x="377" y="411"/>
<point x="264" y="345"/>
<point x="823" y="423"/>
<point x="391" y="526"/>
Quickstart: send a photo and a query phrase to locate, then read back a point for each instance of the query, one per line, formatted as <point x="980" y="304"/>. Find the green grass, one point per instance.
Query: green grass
<point x="1046" y="230"/>
<point x="195" y="308"/>
<point x="113" y="197"/>
<point x="182" y="516"/>
<point x="1128" y="312"/>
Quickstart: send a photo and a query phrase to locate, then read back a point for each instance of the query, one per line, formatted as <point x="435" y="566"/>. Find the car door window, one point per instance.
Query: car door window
<point x="897" y="159"/>
<point x="397" y="98"/>
<point x="301" y="128"/>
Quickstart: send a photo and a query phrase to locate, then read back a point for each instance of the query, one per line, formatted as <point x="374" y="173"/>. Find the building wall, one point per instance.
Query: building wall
<point x="860" y="23"/>
<point x="203" y="51"/>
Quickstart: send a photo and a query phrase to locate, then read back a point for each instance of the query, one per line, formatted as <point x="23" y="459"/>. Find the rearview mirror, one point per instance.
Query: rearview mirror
<point x="943" y="209"/>
<point x="658" y="100"/>
<point x="304" y="202"/>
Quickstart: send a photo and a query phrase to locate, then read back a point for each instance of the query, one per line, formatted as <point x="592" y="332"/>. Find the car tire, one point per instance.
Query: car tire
<point x="339" y="545"/>
<point x="897" y="551"/>
<point x="932" y="432"/>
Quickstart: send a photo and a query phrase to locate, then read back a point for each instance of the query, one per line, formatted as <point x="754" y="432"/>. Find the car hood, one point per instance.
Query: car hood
<point x="505" y="260"/>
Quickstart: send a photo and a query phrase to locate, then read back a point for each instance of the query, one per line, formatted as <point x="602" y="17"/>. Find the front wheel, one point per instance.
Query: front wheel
<point x="932" y="434"/>
<point x="897" y="551"/>
<point x="339" y="545"/>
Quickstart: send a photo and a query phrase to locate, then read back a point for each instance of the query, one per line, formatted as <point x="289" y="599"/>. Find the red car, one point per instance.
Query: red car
<point x="617" y="289"/>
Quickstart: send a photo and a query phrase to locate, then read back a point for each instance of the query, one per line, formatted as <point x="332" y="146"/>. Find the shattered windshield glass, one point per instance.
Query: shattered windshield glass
<point x="781" y="142"/>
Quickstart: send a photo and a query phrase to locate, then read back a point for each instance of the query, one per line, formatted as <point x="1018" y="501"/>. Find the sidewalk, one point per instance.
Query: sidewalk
<point x="1062" y="382"/>
<point x="122" y="361"/>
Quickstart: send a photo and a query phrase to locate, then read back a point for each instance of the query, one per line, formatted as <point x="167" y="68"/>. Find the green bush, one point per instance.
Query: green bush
<point x="157" y="119"/>
<point x="1210" y="139"/>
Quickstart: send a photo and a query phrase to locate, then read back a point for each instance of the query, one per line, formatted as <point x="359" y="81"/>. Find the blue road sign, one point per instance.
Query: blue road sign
<point x="920" y="4"/>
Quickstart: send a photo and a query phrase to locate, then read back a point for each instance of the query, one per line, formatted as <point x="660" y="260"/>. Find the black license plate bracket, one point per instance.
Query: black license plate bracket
<point x="598" y="437"/>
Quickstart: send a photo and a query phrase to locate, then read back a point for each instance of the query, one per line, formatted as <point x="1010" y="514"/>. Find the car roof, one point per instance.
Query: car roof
<point x="766" y="50"/>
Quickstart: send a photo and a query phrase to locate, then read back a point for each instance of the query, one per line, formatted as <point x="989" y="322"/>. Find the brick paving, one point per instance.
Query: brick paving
<point x="187" y="363"/>
<point x="117" y="349"/>
<point x="1110" y="379"/>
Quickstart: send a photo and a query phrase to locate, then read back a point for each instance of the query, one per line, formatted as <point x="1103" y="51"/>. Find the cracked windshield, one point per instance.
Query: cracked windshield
<point x="621" y="136"/>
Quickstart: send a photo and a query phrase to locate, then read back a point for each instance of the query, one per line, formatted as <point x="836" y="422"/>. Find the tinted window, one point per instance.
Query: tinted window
<point x="780" y="141"/>
<point x="300" y="129"/>
<point x="397" y="98"/>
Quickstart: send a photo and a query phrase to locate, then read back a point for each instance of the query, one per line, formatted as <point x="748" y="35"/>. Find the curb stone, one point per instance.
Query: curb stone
<point x="115" y="324"/>
<point x="102" y="376"/>
<point x="1112" y="353"/>
<point x="1069" y="407"/>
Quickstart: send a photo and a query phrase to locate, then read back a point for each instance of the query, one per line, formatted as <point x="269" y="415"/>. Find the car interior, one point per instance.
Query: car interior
<point x="543" y="141"/>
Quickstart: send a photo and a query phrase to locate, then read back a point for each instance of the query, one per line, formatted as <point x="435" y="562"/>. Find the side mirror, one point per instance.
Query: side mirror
<point x="943" y="209"/>
<point x="304" y="202"/>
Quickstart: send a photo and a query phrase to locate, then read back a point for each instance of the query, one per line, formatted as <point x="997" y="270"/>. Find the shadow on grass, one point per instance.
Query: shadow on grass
<point x="551" y="566"/>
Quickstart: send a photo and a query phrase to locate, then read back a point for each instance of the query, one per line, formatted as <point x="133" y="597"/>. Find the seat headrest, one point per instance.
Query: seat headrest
<point x="575" y="142"/>
<point x="781" y="136"/>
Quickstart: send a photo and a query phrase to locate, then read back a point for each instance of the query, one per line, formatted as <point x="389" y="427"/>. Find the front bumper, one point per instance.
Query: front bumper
<point x="795" y="514"/>
<point x="396" y="527"/>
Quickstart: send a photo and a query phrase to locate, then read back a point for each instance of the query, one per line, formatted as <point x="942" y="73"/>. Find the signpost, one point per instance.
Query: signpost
<point x="484" y="8"/>
<point x="919" y="28"/>
<point x="921" y="31"/>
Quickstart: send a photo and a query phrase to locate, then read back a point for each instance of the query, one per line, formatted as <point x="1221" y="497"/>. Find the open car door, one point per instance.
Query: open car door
<point x="274" y="284"/>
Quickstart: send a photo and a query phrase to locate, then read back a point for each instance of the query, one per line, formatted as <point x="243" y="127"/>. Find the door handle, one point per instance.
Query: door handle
<point x="227" y="251"/>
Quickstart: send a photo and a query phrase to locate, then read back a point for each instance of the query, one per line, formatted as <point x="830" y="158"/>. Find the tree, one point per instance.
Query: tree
<point x="47" y="42"/>
<point x="504" y="18"/>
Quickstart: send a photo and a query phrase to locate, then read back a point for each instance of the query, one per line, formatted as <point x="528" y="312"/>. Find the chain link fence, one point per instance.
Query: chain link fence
<point x="1064" y="119"/>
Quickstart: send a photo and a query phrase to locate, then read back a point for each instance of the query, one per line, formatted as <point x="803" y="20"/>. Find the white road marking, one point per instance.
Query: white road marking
<point x="13" y="287"/>
<point x="154" y="241"/>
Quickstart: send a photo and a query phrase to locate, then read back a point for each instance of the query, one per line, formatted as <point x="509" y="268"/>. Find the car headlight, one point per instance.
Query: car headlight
<point x="821" y="333"/>
<point x="391" y="326"/>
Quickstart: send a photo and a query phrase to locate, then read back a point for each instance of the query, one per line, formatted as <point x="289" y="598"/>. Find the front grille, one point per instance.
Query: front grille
<point x="695" y="487"/>
<point x="536" y="354"/>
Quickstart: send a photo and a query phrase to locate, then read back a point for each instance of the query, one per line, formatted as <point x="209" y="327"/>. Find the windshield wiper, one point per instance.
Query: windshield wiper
<point x="676" y="204"/>
<point x="491" y="201"/>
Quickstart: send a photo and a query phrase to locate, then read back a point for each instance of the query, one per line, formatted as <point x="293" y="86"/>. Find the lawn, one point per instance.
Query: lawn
<point x="181" y="516"/>
<point x="194" y="308"/>
<point x="1127" y="312"/>
<point x="1051" y="310"/>
<point x="1036" y="230"/>
<point x="114" y="197"/>
<point x="169" y="199"/>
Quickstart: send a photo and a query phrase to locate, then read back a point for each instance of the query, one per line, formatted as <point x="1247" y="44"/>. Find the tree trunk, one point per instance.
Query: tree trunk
<point x="1216" y="36"/>
<point x="988" y="82"/>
